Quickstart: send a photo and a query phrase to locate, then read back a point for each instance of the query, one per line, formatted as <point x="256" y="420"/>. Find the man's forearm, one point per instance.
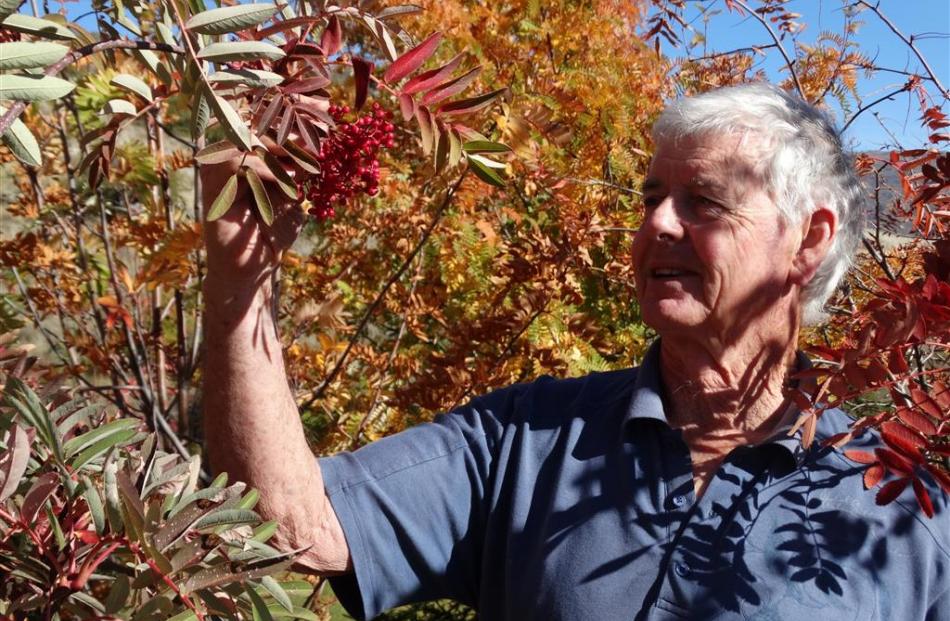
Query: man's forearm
<point x="252" y="426"/>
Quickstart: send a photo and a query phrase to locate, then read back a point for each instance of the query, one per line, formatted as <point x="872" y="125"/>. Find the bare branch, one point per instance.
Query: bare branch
<point x="788" y="61"/>
<point x="909" y="42"/>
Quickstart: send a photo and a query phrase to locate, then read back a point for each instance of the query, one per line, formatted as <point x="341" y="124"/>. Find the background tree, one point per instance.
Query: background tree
<point x="429" y="284"/>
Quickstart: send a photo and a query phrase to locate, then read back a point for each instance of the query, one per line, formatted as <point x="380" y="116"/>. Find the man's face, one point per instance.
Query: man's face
<point x="713" y="253"/>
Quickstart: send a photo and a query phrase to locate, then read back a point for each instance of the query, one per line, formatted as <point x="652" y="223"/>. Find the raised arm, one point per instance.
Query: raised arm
<point x="252" y="426"/>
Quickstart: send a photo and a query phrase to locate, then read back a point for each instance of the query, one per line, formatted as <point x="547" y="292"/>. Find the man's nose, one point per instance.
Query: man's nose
<point x="665" y="221"/>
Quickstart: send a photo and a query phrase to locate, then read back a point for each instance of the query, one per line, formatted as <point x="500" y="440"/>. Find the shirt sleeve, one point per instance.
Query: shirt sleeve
<point x="413" y="508"/>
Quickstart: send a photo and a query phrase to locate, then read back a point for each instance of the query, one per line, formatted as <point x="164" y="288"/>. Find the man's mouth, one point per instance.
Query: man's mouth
<point x="670" y="272"/>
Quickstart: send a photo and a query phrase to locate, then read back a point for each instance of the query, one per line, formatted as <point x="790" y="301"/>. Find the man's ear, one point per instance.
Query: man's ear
<point x="818" y="232"/>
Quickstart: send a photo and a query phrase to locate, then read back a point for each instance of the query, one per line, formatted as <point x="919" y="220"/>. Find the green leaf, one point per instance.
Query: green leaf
<point x="77" y="444"/>
<point x="260" y="197"/>
<point x="217" y="153"/>
<point x="9" y="6"/>
<point x="21" y="397"/>
<point x="265" y="531"/>
<point x="30" y="54"/>
<point x="33" y="88"/>
<point x="231" y="122"/>
<point x="119" y="106"/>
<point x="229" y="517"/>
<point x="260" y="610"/>
<point x="94" y="502"/>
<point x="231" y="18"/>
<point x="240" y="50"/>
<point x="200" y="115"/>
<point x="277" y="592"/>
<point x="472" y="104"/>
<point x="285" y="182"/>
<point x="225" y="199"/>
<point x="118" y="594"/>
<point x="20" y="140"/>
<point x="101" y="446"/>
<point x="132" y="84"/>
<point x="247" y="77"/>
<point x="484" y="171"/>
<point x="485" y="146"/>
<point x="44" y="28"/>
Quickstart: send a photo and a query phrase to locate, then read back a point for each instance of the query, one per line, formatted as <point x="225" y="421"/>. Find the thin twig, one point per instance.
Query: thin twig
<point x="909" y="42"/>
<point x="318" y="393"/>
<point x="778" y="44"/>
<point x="872" y="104"/>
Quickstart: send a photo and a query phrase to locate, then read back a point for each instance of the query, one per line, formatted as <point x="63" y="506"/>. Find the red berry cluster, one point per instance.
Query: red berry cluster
<point x="348" y="159"/>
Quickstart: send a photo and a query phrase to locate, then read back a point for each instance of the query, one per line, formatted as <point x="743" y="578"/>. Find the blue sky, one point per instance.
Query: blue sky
<point x="927" y="20"/>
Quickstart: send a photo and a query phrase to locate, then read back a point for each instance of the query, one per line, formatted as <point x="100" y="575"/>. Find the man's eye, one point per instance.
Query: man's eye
<point x="651" y="202"/>
<point x="707" y="204"/>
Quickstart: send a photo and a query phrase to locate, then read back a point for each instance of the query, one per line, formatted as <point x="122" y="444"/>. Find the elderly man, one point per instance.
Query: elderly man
<point x="668" y="491"/>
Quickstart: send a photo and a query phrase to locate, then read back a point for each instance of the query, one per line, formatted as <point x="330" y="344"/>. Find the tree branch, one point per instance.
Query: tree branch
<point x="318" y="393"/>
<point x="778" y="44"/>
<point x="910" y="43"/>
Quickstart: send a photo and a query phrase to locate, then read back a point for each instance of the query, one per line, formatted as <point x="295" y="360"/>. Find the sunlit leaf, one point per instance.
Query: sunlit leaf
<point x="33" y="88"/>
<point x="224" y="200"/>
<point x="247" y="77"/>
<point x="44" y="28"/>
<point x="240" y="50"/>
<point x="21" y="141"/>
<point x="30" y="54"/>
<point x="231" y="122"/>
<point x="413" y="59"/>
<point x="261" y="199"/>
<point x="230" y="18"/>
<point x="133" y="84"/>
<point x="119" y="106"/>
<point x="277" y="592"/>
<point x="484" y="171"/>
<point x="451" y="88"/>
<point x="485" y="146"/>
<point x="9" y="6"/>
<point x="473" y="104"/>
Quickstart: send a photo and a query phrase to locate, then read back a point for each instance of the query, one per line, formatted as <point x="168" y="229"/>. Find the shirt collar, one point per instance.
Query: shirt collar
<point x="646" y="403"/>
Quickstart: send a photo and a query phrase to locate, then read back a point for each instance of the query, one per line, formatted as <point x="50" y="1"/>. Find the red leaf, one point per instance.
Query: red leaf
<point x="903" y="440"/>
<point x="917" y="421"/>
<point x="923" y="498"/>
<point x="467" y="106"/>
<point x="891" y="491"/>
<point x="407" y="106"/>
<point x="332" y="39"/>
<point x="361" y="71"/>
<point x="942" y="476"/>
<point x="894" y="462"/>
<point x="413" y="59"/>
<point x="861" y="457"/>
<point x="925" y="403"/>
<point x="308" y="85"/>
<point x="873" y="476"/>
<point x="451" y="88"/>
<point x="433" y="77"/>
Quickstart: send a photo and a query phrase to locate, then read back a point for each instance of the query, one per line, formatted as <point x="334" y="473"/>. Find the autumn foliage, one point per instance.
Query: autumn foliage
<point x="474" y="232"/>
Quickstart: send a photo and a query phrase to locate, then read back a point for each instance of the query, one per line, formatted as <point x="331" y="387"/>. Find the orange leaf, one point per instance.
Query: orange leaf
<point x="873" y="476"/>
<point x="861" y="457"/>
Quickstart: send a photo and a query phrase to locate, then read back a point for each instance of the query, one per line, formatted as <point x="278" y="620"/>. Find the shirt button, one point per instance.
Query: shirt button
<point x="679" y="501"/>
<point x="682" y="569"/>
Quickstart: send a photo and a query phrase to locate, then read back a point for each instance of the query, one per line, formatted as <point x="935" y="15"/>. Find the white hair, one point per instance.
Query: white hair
<point x="805" y="166"/>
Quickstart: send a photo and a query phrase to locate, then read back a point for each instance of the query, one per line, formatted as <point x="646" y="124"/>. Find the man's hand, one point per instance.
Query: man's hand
<point x="240" y="247"/>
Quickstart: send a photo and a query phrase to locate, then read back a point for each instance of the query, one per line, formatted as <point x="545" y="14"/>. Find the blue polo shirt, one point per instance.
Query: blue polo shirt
<point x="573" y="500"/>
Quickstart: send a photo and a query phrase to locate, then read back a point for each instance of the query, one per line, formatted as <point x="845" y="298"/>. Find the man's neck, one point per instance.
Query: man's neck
<point x="728" y="394"/>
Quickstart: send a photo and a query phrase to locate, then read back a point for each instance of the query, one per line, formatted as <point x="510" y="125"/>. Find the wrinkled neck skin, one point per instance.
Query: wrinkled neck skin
<point x="725" y="389"/>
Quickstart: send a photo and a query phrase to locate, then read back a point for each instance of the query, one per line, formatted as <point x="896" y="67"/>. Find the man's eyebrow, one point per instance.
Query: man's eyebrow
<point x="709" y="183"/>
